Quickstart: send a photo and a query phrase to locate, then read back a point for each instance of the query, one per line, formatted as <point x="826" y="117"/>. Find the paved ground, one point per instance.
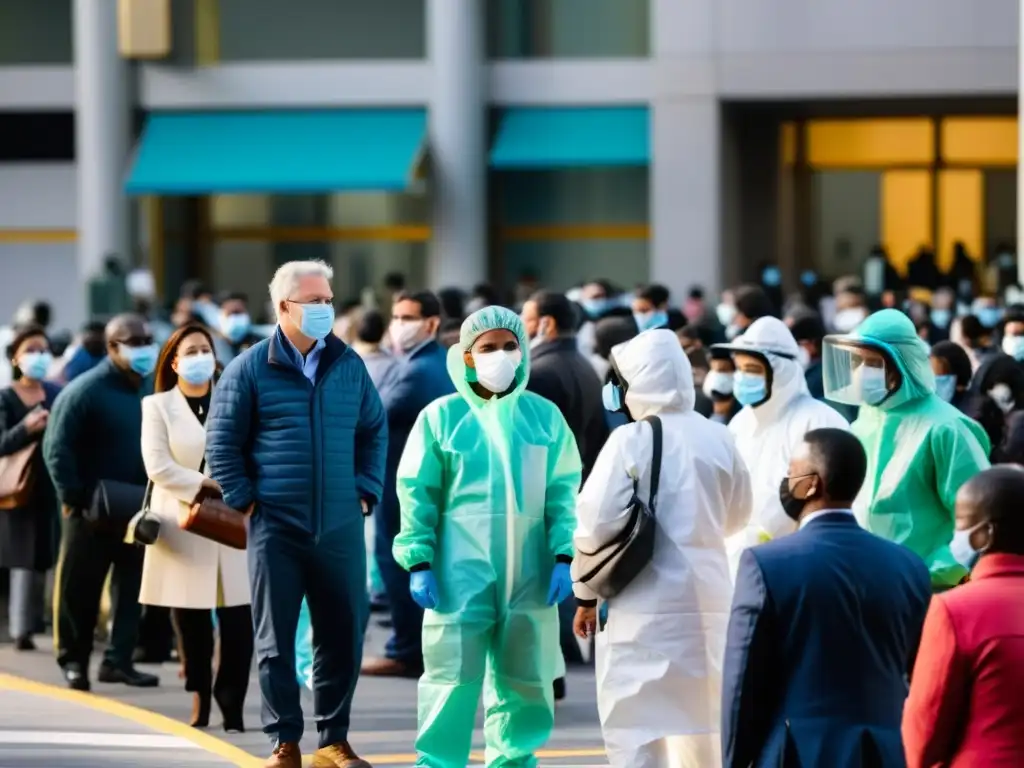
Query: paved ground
<point x="384" y="722"/>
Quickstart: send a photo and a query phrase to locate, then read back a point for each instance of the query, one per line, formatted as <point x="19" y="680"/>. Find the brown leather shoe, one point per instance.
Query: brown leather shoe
<point x="339" y="755"/>
<point x="389" y="668"/>
<point x="285" y="755"/>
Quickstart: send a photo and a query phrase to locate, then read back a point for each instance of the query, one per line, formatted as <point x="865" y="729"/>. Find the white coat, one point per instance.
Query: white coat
<point x="181" y="570"/>
<point x="767" y="435"/>
<point x="659" y="659"/>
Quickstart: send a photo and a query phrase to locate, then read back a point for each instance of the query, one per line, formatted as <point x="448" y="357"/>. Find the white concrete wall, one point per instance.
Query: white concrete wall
<point x="40" y="196"/>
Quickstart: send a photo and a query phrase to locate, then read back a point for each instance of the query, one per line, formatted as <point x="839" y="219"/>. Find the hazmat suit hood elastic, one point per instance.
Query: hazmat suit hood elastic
<point x="770" y="339"/>
<point x="920" y="449"/>
<point x="657" y="374"/>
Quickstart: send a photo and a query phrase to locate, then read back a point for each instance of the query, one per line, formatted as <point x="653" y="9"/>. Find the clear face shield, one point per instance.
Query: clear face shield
<point x="852" y="374"/>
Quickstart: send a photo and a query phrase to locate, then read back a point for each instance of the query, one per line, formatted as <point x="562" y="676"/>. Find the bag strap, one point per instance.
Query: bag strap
<point x="147" y="499"/>
<point x="655" y="423"/>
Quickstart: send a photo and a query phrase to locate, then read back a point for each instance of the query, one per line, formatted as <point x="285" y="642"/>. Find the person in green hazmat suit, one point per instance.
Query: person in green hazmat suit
<point x="920" y="448"/>
<point x="487" y="485"/>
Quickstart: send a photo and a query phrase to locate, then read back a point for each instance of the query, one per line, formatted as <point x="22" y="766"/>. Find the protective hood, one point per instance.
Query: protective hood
<point x="771" y="339"/>
<point x="892" y="332"/>
<point x="488" y="319"/>
<point x="657" y="374"/>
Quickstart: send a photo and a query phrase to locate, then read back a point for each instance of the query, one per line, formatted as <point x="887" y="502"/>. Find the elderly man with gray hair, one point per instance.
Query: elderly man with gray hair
<point x="297" y="437"/>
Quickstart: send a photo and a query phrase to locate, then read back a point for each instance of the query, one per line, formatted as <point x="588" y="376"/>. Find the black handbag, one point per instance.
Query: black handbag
<point x="144" y="528"/>
<point x="613" y="566"/>
<point x="114" y="504"/>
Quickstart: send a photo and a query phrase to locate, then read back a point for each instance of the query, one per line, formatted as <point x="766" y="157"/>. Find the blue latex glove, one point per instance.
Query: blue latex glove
<point x="423" y="588"/>
<point x="561" y="584"/>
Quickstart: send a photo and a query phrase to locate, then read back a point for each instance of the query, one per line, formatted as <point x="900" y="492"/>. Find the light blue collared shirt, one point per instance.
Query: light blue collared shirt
<point x="309" y="363"/>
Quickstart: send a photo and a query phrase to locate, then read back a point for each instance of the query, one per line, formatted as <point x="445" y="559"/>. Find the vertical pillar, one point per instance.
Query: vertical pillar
<point x="686" y="173"/>
<point x="458" y="129"/>
<point x="102" y="135"/>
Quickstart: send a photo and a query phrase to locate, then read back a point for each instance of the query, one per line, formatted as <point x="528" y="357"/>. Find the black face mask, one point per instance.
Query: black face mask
<point x="791" y="505"/>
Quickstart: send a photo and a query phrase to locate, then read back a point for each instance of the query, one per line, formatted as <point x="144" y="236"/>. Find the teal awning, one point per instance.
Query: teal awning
<point x="539" y="138"/>
<point x="308" y="151"/>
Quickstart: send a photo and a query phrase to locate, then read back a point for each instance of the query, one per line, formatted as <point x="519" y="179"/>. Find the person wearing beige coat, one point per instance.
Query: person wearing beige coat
<point x="192" y="575"/>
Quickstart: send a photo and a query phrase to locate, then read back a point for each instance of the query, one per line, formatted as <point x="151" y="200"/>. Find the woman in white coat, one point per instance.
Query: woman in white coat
<point x="191" y="575"/>
<point x="659" y="658"/>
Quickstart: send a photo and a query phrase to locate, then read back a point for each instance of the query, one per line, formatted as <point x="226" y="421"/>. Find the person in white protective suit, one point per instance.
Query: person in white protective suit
<point x="659" y="657"/>
<point x="778" y="411"/>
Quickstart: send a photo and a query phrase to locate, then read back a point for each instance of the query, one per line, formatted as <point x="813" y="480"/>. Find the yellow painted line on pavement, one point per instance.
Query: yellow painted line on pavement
<point x="209" y="744"/>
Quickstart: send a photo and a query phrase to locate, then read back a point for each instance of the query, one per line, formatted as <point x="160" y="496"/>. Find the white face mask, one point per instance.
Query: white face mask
<point x="1002" y="396"/>
<point x="803" y="357"/>
<point x="541" y="336"/>
<point x="719" y="382"/>
<point x="496" y="370"/>
<point x="848" y="319"/>
<point x="405" y="334"/>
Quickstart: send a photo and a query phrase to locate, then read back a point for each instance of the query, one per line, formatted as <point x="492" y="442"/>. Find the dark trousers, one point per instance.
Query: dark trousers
<point x="195" y="640"/>
<point x="156" y="636"/>
<point x="406" y="641"/>
<point x="87" y="555"/>
<point x="330" y="572"/>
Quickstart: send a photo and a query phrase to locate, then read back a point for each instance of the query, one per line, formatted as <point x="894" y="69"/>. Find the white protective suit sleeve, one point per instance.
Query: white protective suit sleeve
<point x="741" y="499"/>
<point x="602" y="508"/>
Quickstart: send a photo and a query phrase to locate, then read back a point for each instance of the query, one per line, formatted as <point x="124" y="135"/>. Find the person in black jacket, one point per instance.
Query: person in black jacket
<point x="561" y="374"/>
<point x="94" y="433"/>
<point x="28" y="532"/>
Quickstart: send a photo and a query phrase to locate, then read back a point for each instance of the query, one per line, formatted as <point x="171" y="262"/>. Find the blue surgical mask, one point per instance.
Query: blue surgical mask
<point x="945" y="387"/>
<point x="35" y="365"/>
<point x="208" y="311"/>
<point x="749" y="388"/>
<point x="989" y="316"/>
<point x="645" y="321"/>
<point x="771" y="277"/>
<point x="317" y="320"/>
<point x="808" y="278"/>
<point x="1014" y="347"/>
<point x="235" y="327"/>
<point x="611" y="396"/>
<point x="871" y="381"/>
<point x="142" y="360"/>
<point x="197" y="369"/>
<point x="595" y="308"/>
<point x="941" y="318"/>
<point x="962" y="549"/>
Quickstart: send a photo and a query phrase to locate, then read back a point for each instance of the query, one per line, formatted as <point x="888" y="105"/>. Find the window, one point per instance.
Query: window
<point x="525" y="29"/>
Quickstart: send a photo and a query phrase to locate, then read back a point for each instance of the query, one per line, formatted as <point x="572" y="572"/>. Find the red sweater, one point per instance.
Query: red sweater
<point x="966" y="703"/>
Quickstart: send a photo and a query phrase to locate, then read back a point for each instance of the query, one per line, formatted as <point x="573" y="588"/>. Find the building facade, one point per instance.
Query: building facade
<point x="463" y="141"/>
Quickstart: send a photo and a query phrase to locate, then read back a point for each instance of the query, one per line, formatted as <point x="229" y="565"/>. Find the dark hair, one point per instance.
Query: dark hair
<point x="752" y="302"/>
<point x="612" y="331"/>
<point x="655" y="293"/>
<point x="840" y="461"/>
<point x="806" y="325"/>
<point x="691" y="332"/>
<point x="453" y="303"/>
<point x="233" y="296"/>
<point x="957" y="360"/>
<point x="166" y="379"/>
<point x="371" y="327"/>
<point x="430" y="305"/>
<point x="696" y="293"/>
<point x="487" y="293"/>
<point x="34" y="313"/>
<point x="972" y="329"/>
<point x="394" y="281"/>
<point x="557" y="306"/>
<point x="23" y="333"/>
<point x="193" y="289"/>
<point x="698" y="358"/>
<point x="998" y="491"/>
<point x="348" y="305"/>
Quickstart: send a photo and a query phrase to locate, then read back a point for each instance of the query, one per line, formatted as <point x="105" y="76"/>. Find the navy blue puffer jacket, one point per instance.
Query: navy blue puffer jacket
<point x="305" y="453"/>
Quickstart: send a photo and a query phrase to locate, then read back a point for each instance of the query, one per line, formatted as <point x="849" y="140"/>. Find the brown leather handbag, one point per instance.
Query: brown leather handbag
<point x="212" y="519"/>
<point x="17" y="477"/>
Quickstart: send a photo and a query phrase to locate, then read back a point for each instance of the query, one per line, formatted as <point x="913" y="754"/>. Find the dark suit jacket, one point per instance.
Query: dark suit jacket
<point x="824" y="628"/>
<point x="416" y="381"/>
<point x="561" y="374"/>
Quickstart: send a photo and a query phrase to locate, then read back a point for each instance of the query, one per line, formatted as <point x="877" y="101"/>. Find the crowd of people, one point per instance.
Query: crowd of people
<point x="776" y="517"/>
